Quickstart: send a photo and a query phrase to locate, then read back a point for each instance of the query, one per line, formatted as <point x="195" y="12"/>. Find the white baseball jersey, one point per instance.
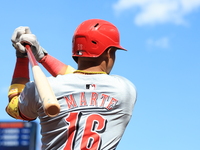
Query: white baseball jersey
<point x="95" y="110"/>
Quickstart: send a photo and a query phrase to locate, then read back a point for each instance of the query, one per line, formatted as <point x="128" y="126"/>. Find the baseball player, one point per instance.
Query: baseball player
<point x="95" y="106"/>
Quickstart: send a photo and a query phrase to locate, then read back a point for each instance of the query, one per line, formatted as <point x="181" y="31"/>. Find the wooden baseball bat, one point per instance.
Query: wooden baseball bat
<point x="50" y="104"/>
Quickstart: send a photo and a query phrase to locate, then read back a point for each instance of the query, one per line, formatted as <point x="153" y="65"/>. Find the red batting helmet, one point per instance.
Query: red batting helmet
<point x="93" y="37"/>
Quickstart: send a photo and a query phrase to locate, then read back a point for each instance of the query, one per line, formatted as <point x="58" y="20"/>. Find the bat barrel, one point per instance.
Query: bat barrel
<point x="50" y="102"/>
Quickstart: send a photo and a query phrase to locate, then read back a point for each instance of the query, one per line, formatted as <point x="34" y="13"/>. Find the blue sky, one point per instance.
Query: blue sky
<point x="162" y="39"/>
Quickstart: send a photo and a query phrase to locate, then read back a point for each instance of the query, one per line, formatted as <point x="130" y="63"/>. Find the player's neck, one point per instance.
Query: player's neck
<point x="91" y="70"/>
<point x="92" y="65"/>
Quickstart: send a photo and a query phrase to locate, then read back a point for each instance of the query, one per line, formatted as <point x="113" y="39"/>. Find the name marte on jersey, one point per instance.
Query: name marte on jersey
<point x="94" y="100"/>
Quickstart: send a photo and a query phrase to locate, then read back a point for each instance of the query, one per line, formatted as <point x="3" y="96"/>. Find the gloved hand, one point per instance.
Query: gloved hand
<point x="15" y="40"/>
<point x="21" y="36"/>
<point x="31" y="39"/>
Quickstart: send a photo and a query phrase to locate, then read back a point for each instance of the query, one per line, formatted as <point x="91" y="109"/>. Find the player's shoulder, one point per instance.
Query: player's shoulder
<point x="124" y="81"/>
<point x="57" y="78"/>
<point x="127" y="88"/>
<point x="118" y="77"/>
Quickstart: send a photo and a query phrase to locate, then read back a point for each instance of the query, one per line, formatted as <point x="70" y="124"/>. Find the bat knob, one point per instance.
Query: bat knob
<point x="52" y="110"/>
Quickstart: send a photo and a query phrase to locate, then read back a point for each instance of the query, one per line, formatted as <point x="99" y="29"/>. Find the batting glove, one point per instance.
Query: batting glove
<point x="21" y="36"/>
<point x="31" y="39"/>
<point x="15" y="40"/>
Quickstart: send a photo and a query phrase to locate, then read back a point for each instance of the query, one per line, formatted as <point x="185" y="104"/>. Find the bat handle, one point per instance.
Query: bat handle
<point x="31" y="57"/>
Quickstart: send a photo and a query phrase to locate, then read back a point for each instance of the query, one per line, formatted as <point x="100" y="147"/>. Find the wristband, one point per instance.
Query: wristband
<point x="21" y="68"/>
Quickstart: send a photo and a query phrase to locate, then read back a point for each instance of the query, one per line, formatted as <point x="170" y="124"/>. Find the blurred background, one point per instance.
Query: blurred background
<point x="162" y="38"/>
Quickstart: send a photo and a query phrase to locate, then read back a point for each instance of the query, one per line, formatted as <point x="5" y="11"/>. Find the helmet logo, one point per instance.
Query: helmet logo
<point x="80" y="49"/>
<point x="80" y="46"/>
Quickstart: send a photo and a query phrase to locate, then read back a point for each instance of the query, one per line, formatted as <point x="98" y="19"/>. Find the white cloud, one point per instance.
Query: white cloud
<point x="158" y="11"/>
<point x="160" y="43"/>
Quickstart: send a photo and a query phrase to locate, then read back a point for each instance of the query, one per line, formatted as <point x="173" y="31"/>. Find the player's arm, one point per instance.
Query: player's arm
<point x="19" y="79"/>
<point x="54" y="66"/>
<point x="51" y="64"/>
<point x="20" y="76"/>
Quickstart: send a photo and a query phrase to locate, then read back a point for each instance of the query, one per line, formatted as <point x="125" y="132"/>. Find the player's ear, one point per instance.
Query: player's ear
<point x="110" y="52"/>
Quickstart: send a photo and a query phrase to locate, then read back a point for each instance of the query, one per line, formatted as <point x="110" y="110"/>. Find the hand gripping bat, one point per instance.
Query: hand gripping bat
<point x="50" y="104"/>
